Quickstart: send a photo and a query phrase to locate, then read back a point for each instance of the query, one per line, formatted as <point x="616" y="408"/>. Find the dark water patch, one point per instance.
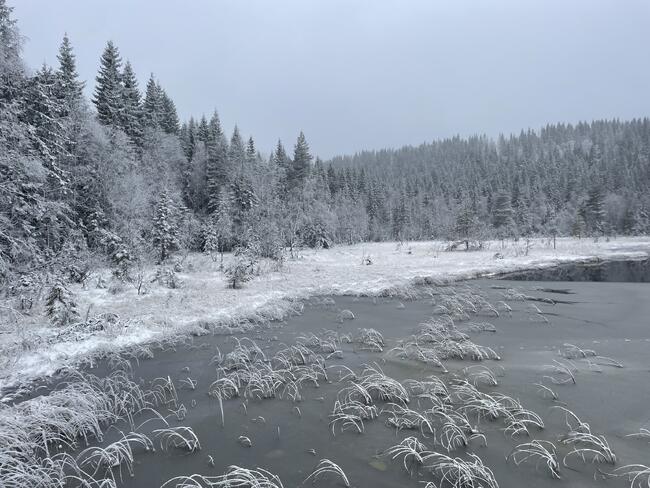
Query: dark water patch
<point x="563" y="291"/>
<point x="633" y="271"/>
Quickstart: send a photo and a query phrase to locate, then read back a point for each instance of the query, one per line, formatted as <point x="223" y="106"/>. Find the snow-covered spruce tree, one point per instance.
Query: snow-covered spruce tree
<point x="216" y="165"/>
<point x="108" y="91"/>
<point x="502" y="215"/>
<point x="299" y="169"/>
<point x="152" y="105"/>
<point x="44" y="112"/>
<point x="466" y="225"/>
<point x="131" y="115"/>
<point x="60" y="306"/>
<point x="168" y="115"/>
<point x="594" y="211"/>
<point x="71" y="86"/>
<point x="282" y="165"/>
<point x="165" y="227"/>
<point x="219" y="230"/>
<point x="236" y="151"/>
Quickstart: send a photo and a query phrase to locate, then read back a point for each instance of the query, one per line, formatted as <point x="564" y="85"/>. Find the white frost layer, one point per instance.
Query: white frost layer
<point x="33" y="351"/>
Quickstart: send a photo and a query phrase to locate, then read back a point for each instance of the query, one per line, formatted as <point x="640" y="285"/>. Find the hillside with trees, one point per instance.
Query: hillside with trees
<point x="119" y="178"/>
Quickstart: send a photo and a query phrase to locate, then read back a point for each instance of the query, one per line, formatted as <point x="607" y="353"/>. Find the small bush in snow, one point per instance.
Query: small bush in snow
<point x="168" y="278"/>
<point x="242" y="268"/>
<point x="60" y="306"/>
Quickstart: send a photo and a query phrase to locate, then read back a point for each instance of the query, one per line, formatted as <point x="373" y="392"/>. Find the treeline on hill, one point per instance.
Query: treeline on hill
<point x="128" y="182"/>
<point x="587" y="179"/>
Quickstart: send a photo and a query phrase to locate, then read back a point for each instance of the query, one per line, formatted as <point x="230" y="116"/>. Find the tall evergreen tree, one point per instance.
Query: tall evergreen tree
<point x="594" y="211"/>
<point x="165" y="227"/>
<point x="236" y="151"/>
<point x="217" y="163"/>
<point x="168" y="115"/>
<point x="301" y="162"/>
<point x="71" y="86"/>
<point x="131" y="116"/>
<point x="152" y="106"/>
<point x="108" y="91"/>
<point x="251" y="153"/>
<point x="502" y="214"/>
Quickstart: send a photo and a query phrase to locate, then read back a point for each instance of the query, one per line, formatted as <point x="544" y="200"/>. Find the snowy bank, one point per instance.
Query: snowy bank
<point x="203" y="303"/>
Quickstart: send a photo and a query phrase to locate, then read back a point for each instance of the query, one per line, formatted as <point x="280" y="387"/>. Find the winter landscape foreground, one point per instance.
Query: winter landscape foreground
<point x="202" y="303"/>
<point x="394" y="364"/>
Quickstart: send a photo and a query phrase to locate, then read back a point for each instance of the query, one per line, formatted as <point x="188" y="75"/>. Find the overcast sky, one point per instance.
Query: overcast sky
<point x="366" y="74"/>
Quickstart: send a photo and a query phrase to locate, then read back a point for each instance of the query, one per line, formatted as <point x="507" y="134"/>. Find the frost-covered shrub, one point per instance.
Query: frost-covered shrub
<point x="60" y="306"/>
<point x="167" y="277"/>
<point x="242" y="268"/>
<point x="116" y="287"/>
<point x="315" y="234"/>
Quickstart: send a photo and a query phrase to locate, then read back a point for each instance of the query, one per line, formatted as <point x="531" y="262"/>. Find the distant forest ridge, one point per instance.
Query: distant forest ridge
<point x="589" y="178"/>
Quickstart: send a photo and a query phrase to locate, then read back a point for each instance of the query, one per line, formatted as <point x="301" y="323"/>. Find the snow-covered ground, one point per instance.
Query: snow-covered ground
<point x="29" y="349"/>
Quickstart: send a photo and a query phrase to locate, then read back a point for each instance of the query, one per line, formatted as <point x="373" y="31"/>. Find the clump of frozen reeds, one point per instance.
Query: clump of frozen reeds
<point x="643" y="434"/>
<point x="245" y="351"/>
<point x="325" y="467"/>
<point x="349" y="415"/>
<point x="177" y="438"/>
<point x="456" y="431"/>
<point x="412" y="452"/>
<point x="637" y="474"/>
<point x="235" y="477"/>
<point x="115" y="455"/>
<point x="415" y="352"/>
<point x="460" y="473"/>
<point x="164" y="391"/>
<point x="326" y="342"/>
<point x="496" y="406"/>
<point x="450" y="343"/>
<point x="480" y="375"/>
<point x="373" y="383"/>
<point x="369" y="339"/>
<point x="571" y="351"/>
<point x="587" y="446"/>
<point x="34" y="432"/>
<point x="562" y="372"/>
<point x="402" y="417"/>
<point x="538" y="451"/>
<point x="431" y="389"/>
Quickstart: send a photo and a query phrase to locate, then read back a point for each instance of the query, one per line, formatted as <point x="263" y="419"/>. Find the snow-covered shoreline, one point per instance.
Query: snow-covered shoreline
<point x="33" y="351"/>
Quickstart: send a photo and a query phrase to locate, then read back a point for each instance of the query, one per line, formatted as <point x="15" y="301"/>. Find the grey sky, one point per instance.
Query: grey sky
<point x="367" y="74"/>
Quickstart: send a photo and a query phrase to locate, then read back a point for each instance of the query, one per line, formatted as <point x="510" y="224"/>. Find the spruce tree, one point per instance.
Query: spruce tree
<point x="595" y="211"/>
<point x="44" y="113"/>
<point x="152" y="105"/>
<point x="168" y="115"/>
<point x="219" y="235"/>
<point x="251" y="153"/>
<point x="217" y="162"/>
<point x="280" y="158"/>
<point x="203" y="130"/>
<point x="71" y="86"/>
<point x="466" y="224"/>
<point x="236" y="151"/>
<point x="165" y="227"/>
<point x="108" y="91"/>
<point x="301" y="162"/>
<point x="131" y="116"/>
<point x="502" y="215"/>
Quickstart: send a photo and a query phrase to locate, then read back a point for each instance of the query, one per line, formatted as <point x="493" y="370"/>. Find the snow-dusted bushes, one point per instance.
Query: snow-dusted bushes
<point x="242" y="267"/>
<point x="60" y="306"/>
